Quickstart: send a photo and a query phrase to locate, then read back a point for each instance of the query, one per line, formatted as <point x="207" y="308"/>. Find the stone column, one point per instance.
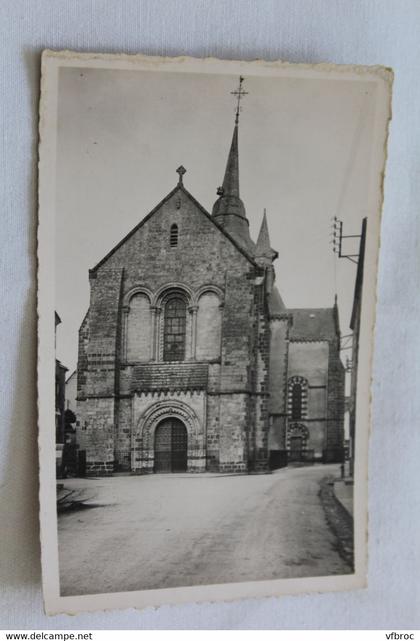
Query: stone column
<point x="193" y="309"/>
<point x="124" y="347"/>
<point x="156" y="312"/>
<point x="152" y="333"/>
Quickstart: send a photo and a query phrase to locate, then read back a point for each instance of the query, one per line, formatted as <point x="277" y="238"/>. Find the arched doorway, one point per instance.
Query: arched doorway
<point x="296" y="448"/>
<point x="296" y="442"/>
<point x="171" y="446"/>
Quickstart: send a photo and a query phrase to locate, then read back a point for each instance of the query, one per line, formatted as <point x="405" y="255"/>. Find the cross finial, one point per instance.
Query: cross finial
<point x="239" y="93"/>
<point x="181" y="171"/>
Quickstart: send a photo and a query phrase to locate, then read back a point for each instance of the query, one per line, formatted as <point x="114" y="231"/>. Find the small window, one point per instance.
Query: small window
<point x="173" y="236"/>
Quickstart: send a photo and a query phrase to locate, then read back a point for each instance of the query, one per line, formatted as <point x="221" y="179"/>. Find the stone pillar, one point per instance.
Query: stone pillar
<point x="156" y="312"/>
<point x="153" y="333"/>
<point x="125" y="312"/>
<point x="193" y="309"/>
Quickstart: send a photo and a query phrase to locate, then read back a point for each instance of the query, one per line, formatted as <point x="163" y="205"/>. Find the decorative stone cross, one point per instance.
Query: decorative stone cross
<point x="181" y="171"/>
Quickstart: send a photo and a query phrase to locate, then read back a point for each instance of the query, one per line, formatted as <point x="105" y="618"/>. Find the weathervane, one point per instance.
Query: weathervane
<point x="239" y="93"/>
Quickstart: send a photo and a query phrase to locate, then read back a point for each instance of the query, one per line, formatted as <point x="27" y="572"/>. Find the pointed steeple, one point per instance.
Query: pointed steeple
<point x="231" y="180"/>
<point x="229" y="210"/>
<point x="263" y="251"/>
<point x="229" y="203"/>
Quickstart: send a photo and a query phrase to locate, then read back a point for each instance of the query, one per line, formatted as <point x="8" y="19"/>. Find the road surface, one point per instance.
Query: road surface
<point x="170" y="530"/>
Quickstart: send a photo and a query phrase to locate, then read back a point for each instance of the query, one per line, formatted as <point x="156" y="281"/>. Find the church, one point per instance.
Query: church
<point x="189" y="361"/>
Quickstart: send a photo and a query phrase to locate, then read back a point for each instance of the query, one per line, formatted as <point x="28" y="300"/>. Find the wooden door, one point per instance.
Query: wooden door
<point x="171" y="446"/>
<point x="295" y="453"/>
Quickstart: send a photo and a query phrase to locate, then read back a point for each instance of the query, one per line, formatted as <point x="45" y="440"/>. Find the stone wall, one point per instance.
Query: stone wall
<point x="122" y="437"/>
<point x="310" y="360"/>
<point x="98" y="373"/>
<point x="334" y="451"/>
<point x="233" y="433"/>
<point x="258" y="450"/>
<point x="209" y="327"/>
<point x="96" y="434"/>
<point x="218" y="282"/>
<point x="139" y="329"/>
<point x="278" y="382"/>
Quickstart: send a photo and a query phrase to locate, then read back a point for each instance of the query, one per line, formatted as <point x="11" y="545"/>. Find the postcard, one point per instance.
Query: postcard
<point x="208" y="245"/>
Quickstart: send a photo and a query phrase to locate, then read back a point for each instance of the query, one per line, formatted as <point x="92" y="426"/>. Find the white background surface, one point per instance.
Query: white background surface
<point x="344" y="31"/>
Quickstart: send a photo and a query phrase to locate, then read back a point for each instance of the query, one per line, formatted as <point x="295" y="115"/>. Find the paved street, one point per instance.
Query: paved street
<point x="174" y="530"/>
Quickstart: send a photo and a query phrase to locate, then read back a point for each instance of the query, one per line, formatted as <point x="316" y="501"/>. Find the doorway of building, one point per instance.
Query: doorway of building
<point x="171" y="446"/>
<point x="296" y="446"/>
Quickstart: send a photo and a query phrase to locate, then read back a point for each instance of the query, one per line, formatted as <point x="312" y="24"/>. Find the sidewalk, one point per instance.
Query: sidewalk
<point x="343" y="490"/>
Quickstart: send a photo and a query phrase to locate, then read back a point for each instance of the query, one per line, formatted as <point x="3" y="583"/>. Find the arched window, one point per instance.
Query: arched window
<point x="297" y="398"/>
<point x="174" y="329"/>
<point x="297" y="393"/>
<point x="173" y="235"/>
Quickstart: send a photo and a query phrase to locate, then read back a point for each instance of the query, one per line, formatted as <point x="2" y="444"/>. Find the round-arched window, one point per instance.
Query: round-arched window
<point x="296" y="401"/>
<point x="175" y="314"/>
<point x="297" y="398"/>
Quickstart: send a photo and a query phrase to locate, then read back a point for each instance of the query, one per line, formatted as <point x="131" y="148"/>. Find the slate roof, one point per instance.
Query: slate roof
<point x="263" y="248"/>
<point x="313" y="324"/>
<point x="275" y="303"/>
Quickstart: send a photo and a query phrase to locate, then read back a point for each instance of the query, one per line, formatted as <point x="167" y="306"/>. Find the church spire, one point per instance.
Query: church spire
<point x="229" y="210"/>
<point x="263" y="251"/>
<point x="230" y="185"/>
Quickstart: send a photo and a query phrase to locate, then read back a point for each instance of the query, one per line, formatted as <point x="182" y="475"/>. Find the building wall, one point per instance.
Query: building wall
<point x="238" y="361"/>
<point x="278" y="383"/>
<point x="124" y="329"/>
<point x="71" y="393"/>
<point x="96" y="434"/>
<point x="310" y="361"/>
<point x="336" y="393"/>
<point x="319" y="364"/>
<point x="209" y="327"/>
<point x="258" y="403"/>
<point x="60" y="393"/>
<point x="139" y="330"/>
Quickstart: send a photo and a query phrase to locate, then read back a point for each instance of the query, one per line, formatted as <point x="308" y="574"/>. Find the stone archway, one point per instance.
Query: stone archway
<point x="143" y="438"/>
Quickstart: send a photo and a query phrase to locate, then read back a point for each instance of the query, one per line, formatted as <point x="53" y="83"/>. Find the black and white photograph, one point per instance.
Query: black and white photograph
<point x="208" y="246"/>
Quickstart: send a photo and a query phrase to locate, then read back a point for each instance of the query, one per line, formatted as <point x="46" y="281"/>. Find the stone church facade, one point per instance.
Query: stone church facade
<point x="188" y="358"/>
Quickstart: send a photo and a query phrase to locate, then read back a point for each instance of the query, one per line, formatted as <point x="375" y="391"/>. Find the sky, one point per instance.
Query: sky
<point x="304" y="152"/>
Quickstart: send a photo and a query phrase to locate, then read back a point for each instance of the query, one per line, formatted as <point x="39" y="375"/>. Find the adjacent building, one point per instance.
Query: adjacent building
<point x="60" y="393"/>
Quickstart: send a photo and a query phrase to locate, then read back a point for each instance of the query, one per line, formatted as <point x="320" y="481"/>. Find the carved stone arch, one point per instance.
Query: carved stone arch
<point x="298" y="379"/>
<point x="142" y="444"/>
<point x="297" y="429"/>
<point x="171" y="287"/>
<point x="207" y="288"/>
<point x="138" y="289"/>
<point x="161" y="297"/>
